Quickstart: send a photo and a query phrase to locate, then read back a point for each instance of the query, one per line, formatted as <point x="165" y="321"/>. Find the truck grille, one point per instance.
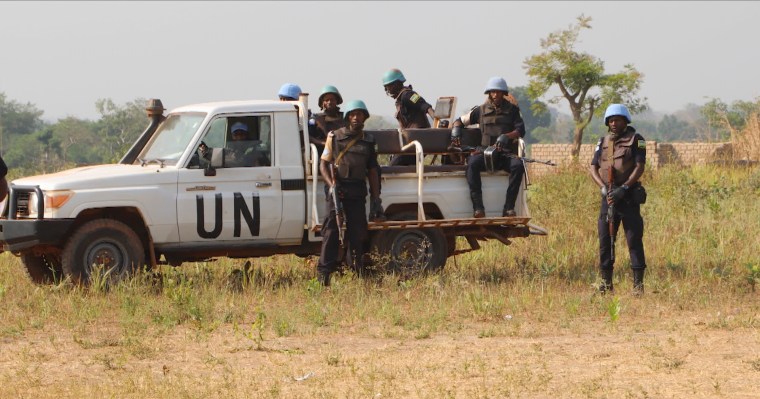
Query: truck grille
<point x="22" y="204"/>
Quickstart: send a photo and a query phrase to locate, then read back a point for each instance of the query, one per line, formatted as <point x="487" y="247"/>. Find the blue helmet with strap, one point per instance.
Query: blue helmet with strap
<point x="392" y="76"/>
<point x="290" y="90"/>
<point x="353" y="105"/>
<point x="616" y="110"/>
<point x="496" y="83"/>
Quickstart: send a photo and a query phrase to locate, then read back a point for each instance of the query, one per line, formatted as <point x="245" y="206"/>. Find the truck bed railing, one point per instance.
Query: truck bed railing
<point x="419" y="170"/>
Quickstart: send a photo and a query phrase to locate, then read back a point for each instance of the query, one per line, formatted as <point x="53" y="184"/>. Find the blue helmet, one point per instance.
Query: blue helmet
<point x="354" y="105"/>
<point x="291" y="90"/>
<point x="239" y="126"/>
<point x="392" y="76"/>
<point x="496" y="83"/>
<point x="329" y="89"/>
<point x="616" y="110"/>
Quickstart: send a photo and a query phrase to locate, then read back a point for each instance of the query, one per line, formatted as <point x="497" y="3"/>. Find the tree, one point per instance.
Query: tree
<point x="581" y="79"/>
<point x="670" y="128"/>
<point x="535" y="113"/>
<point x="119" y="126"/>
<point x="739" y="122"/>
<point x="729" y="119"/>
<point x="76" y="142"/>
<point x="17" y="120"/>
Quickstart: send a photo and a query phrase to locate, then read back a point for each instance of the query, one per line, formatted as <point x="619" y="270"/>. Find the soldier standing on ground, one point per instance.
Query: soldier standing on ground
<point x="624" y="151"/>
<point x="412" y="110"/>
<point x="501" y="125"/>
<point x="352" y="154"/>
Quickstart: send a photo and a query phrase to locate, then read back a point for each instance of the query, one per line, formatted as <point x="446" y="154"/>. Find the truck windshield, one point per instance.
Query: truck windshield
<point x="172" y="138"/>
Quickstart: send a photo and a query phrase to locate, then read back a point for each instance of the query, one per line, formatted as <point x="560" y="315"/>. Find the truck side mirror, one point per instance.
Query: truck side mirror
<point x="217" y="161"/>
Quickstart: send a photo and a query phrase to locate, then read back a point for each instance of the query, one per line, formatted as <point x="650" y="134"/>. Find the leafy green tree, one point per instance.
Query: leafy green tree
<point x="727" y="119"/>
<point x="17" y="120"/>
<point x="534" y="113"/>
<point x="29" y="155"/>
<point x="581" y="79"/>
<point x="77" y="142"/>
<point x="119" y="126"/>
<point x="670" y="128"/>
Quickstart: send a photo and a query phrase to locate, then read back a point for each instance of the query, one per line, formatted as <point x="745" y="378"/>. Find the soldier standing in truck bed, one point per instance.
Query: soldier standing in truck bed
<point x="331" y="118"/>
<point x="411" y="109"/>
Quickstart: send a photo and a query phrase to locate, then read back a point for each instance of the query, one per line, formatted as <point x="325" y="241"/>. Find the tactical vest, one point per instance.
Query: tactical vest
<point x="327" y="123"/>
<point x="623" y="161"/>
<point x="497" y="120"/>
<point x="353" y="165"/>
<point x="410" y="118"/>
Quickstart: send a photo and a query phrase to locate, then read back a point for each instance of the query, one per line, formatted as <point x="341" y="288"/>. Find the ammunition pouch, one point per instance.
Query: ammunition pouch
<point x="490" y="155"/>
<point x="639" y="194"/>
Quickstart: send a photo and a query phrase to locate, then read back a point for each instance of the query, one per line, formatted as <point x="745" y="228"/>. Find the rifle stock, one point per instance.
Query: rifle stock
<point x="339" y="219"/>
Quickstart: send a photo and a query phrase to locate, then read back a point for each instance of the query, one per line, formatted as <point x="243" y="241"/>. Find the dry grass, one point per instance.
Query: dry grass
<point x="747" y="143"/>
<point x="518" y="321"/>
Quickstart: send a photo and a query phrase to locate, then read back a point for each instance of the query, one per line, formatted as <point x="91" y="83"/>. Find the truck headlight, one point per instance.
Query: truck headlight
<point x="53" y="200"/>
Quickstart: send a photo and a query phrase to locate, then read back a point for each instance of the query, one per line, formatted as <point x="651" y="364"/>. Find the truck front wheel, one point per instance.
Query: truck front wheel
<point x="106" y="245"/>
<point x="42" y="269"/>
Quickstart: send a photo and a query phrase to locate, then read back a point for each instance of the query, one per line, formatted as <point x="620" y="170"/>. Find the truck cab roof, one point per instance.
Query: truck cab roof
<point x="222" y="107"/>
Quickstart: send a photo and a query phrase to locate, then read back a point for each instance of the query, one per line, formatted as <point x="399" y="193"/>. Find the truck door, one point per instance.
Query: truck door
<point x="243" y="200"/>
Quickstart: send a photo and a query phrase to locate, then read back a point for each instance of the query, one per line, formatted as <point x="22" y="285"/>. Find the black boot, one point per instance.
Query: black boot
<point x="606" y="285"/>
<point x="324" y="279"/>
<point x="477" y="205"/>
<point x="638" y="281"/>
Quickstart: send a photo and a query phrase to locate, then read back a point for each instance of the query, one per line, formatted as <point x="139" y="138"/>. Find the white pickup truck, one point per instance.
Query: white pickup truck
<point x="168" y="202"/>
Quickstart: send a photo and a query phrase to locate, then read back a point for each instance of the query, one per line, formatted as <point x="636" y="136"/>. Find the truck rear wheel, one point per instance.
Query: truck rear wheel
<point x="105" y="243"/>
<point x="42" y="269"/>
<point x="411" y="251"/>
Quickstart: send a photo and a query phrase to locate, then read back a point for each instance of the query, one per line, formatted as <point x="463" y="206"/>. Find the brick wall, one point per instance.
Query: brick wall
<point x="684" y="154"/>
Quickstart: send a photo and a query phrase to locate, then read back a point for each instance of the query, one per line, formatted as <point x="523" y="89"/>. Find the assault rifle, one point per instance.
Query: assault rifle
<point x="611" y="214"/>
<point x="492" y="149"/>
<point x="339" y="214"/>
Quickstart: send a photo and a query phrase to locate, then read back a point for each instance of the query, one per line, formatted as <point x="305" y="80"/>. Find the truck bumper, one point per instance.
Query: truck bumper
<point x="20" y="234"/>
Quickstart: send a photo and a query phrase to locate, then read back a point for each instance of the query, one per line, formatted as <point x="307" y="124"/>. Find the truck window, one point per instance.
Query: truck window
<point x="248" y="146"/>
<point x="171" y="138"/>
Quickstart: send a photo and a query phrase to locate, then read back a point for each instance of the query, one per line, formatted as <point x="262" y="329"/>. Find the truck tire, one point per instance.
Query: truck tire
<point x="411" y="251"/>
<point x="106" y="242"/>
<point x="42" y="269"/>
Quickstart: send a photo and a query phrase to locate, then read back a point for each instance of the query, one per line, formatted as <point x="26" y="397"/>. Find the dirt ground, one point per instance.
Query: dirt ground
<point x="690" y="355"/>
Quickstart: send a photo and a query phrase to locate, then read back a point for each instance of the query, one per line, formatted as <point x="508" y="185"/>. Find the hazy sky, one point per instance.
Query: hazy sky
<point x="63" y="56"/>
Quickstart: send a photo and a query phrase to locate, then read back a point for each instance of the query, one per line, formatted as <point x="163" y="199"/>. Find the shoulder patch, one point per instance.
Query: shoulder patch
<point x="598" y="145"/>
<point x="414" y="98"/>
<point x="642" y="144"/>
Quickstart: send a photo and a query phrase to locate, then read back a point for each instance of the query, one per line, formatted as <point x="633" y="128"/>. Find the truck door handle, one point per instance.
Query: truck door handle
<point x="265" y="184"/>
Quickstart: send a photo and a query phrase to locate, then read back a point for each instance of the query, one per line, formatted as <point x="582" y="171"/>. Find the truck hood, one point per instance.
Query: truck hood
<point x="97" y="176"/>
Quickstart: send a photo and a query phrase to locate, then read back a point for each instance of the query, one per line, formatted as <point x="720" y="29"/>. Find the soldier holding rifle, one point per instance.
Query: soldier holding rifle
<point x="348" y="161"/>
<point x="501" y="126"/>
<point x="616" y="168"/>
